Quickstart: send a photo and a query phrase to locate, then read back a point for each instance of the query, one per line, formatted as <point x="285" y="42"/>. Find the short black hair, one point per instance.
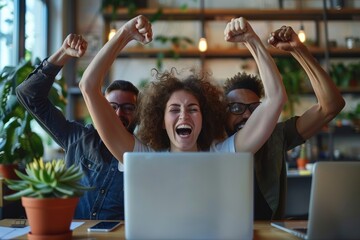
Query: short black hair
<point x="244" y="81"/>
<point x="122" y="85"/>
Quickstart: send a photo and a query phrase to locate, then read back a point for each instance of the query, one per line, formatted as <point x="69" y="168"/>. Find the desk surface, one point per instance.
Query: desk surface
<point x="262" y="230"/>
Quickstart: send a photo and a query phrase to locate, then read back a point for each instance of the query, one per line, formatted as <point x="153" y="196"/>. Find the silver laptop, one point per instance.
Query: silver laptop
<point x="188" y="195"/>
<point x="334" y="211"/>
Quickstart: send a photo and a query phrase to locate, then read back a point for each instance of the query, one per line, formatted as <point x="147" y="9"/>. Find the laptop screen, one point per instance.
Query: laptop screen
<point x="198" y="195"/>
<point x="334" y="211"/>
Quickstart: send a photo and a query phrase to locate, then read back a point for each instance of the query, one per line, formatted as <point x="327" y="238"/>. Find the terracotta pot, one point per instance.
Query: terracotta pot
<point x="8" y="171"/>
<point x="49" y="217"/>
<point x="63" y="236"/>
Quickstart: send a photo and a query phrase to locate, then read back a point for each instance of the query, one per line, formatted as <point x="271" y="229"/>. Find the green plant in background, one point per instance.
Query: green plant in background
<point x="131" y="5"/>
<point x="345" y="75"/>
<point x="177" y="42"/>
<point x="18" y="141"/>
<point x="293" y="77"/>
<point x="350" y="116"/>
<point x="47" y="180"/>
<point x="354" y="69"/>
<point x="355" y="114"/>
<point x="143" y="83"/>
<point x="340" y="74"/>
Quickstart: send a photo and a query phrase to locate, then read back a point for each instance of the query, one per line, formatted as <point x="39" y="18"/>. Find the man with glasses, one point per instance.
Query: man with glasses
<point x="122" y="96"/>
<point x="244" y="93"/>
<point x="82" y="143"/>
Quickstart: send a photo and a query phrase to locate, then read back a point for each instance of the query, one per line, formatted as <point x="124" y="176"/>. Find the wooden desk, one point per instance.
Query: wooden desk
<point x="262" y="231"/>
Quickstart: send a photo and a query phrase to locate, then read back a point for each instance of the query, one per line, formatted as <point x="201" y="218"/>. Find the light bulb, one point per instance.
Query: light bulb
<point x="301" y="34"/>
<point x="111" y="33"/>
<point x="202" y="44"/>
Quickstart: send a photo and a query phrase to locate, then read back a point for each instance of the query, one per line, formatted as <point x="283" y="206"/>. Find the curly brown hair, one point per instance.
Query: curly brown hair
<point x="158" y="92"/>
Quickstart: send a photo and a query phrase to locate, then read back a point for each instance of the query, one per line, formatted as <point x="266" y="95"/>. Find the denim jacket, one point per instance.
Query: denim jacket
<point x="82" y="145"/>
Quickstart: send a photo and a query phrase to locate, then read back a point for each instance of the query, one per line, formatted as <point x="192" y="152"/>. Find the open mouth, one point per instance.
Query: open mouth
<point x="184" y="130"/>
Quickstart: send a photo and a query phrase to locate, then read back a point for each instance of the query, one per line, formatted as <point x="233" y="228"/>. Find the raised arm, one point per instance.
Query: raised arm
<point x="73" y="46"/>
<point x="33" y="93"/>
<point x="329" y="100"/>
<point x="263" y="120"/>
<point x="111" y="130"/>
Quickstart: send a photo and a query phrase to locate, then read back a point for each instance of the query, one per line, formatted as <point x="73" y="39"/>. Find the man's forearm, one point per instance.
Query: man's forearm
<point x="59" y="58"/>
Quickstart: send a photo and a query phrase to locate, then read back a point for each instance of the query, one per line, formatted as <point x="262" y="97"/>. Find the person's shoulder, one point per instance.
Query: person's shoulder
<point x="283" y="128"/>
<point x="290" y="132"/>
<point x="226" y="145"/>
<point x="141" y="147"/>
<point x="287" y="123"/>
<point x="89" y="126"/>
<point x="86" y="129"/>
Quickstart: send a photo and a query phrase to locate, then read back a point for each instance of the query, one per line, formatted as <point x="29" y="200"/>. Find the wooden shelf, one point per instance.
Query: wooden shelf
<point x="344" y="52"/>
<point x="341" y="131"/>
<point x="344" y="90"/>
<point x="350" y="90"/>
<point x="226" y="14"/>
<point x="140" y="52"/>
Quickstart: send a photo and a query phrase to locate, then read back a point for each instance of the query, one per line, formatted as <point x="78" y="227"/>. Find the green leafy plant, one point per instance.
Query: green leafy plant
<point x="293" y="77"/>
<point x="355" y="114"/>
<point x="354" y="68"/>
<point x="115" y="4"/>
<point x="131" y="5"/>
<point x="177" y="42"/>
<point x="345" y="75"/>
<point x="341" y="74"/>
<point x="47" y="180"/>
<point x="18" y="141"/>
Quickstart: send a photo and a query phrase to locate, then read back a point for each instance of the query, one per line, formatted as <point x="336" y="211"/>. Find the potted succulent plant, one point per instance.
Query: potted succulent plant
<point x="48" y="189"/>
<point x="19" y="143"/>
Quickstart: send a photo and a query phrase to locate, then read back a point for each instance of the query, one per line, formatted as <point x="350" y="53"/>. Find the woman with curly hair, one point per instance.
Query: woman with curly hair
<point x="182" y="113"/>
<point x="207" y="103"/>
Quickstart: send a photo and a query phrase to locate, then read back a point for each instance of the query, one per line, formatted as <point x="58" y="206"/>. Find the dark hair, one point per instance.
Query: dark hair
<point x="158" y="92"/>
<point x="126" y="86"/>
<point x="244" y="81"/>
<point x="122" y="85"/>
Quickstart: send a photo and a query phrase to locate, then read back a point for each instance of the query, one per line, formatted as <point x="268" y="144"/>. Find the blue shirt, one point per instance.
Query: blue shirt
<point x="82" y="144"/>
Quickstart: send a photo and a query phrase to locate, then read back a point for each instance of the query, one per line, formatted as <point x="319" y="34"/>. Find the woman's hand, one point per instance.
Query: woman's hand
<point x="140" y="29"/>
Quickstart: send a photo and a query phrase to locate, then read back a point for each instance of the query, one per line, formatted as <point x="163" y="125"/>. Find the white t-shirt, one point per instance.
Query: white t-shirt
<point x="228" y="145"/>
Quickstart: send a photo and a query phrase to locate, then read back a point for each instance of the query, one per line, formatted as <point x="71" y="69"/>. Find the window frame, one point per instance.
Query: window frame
<point x="18" y="38"/>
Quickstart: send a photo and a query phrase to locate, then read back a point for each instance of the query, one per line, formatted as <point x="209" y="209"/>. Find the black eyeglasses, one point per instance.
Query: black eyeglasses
<point x="125" y="107"/>
<point x="239" y="108"/>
